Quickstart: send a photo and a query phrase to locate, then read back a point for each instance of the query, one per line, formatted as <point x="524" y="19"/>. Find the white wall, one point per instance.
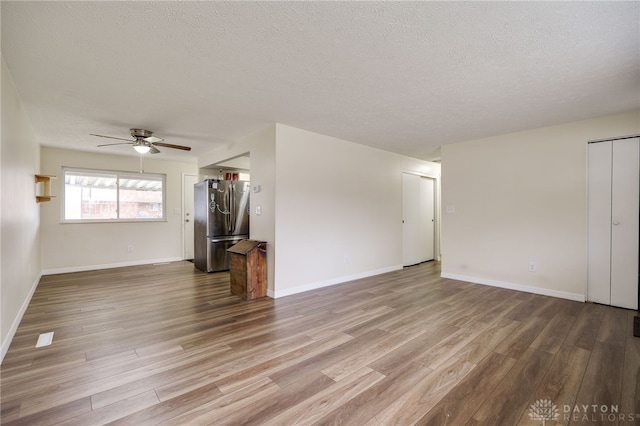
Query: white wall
<point x="521" y="197"/>
<point x="19" y="212"/>
<point x="331" y="209"/>
<point x="83" y="246"/>
<point x="263" y="170"/>
<point x="338" y="209"/>
<point x="261" y="148"/>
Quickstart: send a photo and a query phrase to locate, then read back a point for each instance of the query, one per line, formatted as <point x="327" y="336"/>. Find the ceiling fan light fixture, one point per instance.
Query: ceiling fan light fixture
<point x="143" y="142"/>
<point x="142" y="148"/>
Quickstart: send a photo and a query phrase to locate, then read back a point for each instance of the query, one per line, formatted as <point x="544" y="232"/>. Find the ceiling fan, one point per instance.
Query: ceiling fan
<point x="144" y="142"/>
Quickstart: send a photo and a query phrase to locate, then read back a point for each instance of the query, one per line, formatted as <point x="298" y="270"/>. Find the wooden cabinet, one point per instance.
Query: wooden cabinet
<point x="248" y="269"/>
<point x="43" y="188"/>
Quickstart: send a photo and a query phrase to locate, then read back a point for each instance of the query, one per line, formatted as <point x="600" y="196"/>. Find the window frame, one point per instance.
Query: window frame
<point x="119" y="174"/>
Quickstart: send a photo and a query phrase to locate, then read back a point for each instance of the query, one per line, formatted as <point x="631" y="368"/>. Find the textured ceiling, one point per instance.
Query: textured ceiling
<point x="406" y="77"/>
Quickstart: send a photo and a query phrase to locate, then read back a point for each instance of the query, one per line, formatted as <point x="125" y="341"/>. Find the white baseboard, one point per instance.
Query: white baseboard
<point x="108" y="266"/>
<point x="320" y="284"/>
<point x="519" y="287"/>
<point x="16" y="322"/>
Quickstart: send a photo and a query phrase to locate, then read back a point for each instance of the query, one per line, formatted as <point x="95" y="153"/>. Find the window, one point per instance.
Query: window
<point x="107" y="196"/>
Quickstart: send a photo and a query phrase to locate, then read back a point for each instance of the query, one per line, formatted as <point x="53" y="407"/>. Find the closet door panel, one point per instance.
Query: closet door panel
<point x="411" y="249"/>
<point x="624" y="223"/>
<point x="599" y="223"/>
<point x="427" y="217"/>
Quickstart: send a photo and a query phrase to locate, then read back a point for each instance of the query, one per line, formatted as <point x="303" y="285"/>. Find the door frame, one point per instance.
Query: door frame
<point x="183" y="216"/>
<point x="436" y="209"/>
<point x="589" y="291"/>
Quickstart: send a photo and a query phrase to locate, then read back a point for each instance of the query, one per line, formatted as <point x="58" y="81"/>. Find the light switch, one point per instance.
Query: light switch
<point x="258" y="210"/>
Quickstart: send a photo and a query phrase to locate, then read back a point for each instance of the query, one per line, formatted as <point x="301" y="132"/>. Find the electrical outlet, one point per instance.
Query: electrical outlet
<point x="533" y="267"/>
<point x="130" y="248"/>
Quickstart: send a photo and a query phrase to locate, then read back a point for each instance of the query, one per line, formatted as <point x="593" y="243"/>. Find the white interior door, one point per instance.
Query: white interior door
<point x="427" y="217"/>
<point x="599" y="223"/>
<point x="613" y="222"/>
<point x="410" y="219"/>
<point x="418" y="215"/>
<point x="625" y="187"/>
<point x="187" y="215"/>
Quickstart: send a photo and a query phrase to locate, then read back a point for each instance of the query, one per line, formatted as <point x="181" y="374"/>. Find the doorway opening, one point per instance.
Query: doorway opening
<point x="418" y="219"/>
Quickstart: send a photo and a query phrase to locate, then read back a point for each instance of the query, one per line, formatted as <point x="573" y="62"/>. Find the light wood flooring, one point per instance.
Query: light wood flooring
<point x="168" y="344"/>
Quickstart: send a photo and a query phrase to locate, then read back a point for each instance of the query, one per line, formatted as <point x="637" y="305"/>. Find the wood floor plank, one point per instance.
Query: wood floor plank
<point x="53" y="415"/>
<point x="464" y="399"/>
<point x="316" y="363"/>
<point x="168" y="344"/>
<point x="614" y="327"/>
<point x="115" y="411"/>
<point x="226" y="405"/>
<point x="270" y="406"/>
<point x="426" y="393"/>
<point x="630" y="392"/>
<point x="414" y="348"/>
<point x="587" y="325"/>
<point x="509" y="400"/>
<point x="314" y="408"/>
<point x="552" y="337"/>
<point x="349" y="365"/>
<point x="171" y="408"/>
<point x="486" y="341"/>
<point x="240" y="377"/>
<point x="364" y="407"/>
<point x="68" y="389"/>
<point x="602" y="381"/>
<point x="561" y="383"/>
<point x="518" y="342"/>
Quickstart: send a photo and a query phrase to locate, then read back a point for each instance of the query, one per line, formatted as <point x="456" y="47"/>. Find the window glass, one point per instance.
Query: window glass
<point x="140" y="198"/>
<point x="95" y="195"/>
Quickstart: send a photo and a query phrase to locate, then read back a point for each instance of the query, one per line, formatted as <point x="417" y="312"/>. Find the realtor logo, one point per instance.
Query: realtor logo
<point x="543" y="409"/>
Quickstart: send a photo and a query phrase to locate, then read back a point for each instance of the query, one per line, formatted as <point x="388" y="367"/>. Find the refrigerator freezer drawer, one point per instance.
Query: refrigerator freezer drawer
<point x="218" y="255"/>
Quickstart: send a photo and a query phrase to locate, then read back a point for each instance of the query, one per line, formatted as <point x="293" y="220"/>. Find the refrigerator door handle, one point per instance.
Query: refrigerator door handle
<point x="231" y="209"/>
<point x="234" y="210"/>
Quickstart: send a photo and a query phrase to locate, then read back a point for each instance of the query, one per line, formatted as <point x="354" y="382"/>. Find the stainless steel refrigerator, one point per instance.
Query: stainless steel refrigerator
<point x="221" y="219"/>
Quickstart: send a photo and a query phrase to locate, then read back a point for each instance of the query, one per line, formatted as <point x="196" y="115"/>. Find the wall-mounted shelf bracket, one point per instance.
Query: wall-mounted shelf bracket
<point x="45" y="194"/>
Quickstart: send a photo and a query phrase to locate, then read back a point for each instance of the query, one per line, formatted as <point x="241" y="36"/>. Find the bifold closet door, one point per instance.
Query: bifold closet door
<point x="613" y="222"/>
<point x="599" y="223"/>
<point x="625" y="190"/>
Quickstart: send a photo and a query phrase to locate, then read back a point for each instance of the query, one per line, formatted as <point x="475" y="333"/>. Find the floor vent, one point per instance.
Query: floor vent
<point x="45" y="339"/>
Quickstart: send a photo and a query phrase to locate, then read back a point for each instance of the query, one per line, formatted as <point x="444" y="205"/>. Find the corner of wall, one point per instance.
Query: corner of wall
<point x="6" y="342"/>
<point x="19" y="221"/>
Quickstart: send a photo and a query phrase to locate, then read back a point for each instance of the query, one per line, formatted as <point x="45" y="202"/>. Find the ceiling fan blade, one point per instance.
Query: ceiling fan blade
<point x="110" y="137"/>
<point x="168" y="145"/>
<point x="153" y="150"/>
<point x="119" y="143"/>
<point x="153" y="139"/>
